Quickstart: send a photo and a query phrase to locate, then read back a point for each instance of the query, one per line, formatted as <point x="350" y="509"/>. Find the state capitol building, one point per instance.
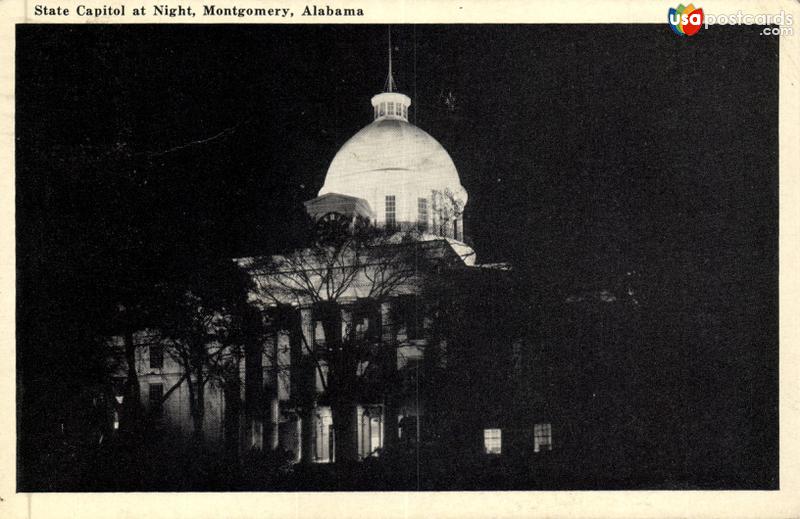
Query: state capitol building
<point x="358" y="359"/>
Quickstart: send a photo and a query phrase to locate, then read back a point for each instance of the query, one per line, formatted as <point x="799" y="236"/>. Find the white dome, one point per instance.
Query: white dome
<point x="391" y="157"/>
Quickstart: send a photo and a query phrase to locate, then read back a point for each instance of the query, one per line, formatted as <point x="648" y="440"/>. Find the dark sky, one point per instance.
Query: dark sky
<point x="587" y="152"/>
<point x="636" y="127"/>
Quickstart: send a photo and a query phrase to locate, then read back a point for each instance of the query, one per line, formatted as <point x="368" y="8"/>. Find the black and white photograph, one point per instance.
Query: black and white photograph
<point x="396" y="257"/>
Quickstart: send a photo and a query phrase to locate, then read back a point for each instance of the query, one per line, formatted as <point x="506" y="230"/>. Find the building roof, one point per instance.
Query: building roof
<point x="338" y="203"/>
<point x="391" y="155"/>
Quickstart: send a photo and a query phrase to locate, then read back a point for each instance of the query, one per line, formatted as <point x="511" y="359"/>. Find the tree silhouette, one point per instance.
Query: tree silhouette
<point x="204" y="325"/>
<point x="342" y="279"/>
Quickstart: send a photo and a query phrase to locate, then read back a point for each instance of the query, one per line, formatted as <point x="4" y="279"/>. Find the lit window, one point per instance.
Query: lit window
<point x="493" y="441"/>
<point x="422" y="206"/>
<point x="391" y="214"/>
<point x="156" y="394"/>
<point x="371" y="431"/>
<point x="257" y="435"/>
<point x="542" y="437"/>
<point x="324" y="444"/>
<point x="383" y="109"/>
<point x="375" y="429"/>
<point x="156" y="356"/>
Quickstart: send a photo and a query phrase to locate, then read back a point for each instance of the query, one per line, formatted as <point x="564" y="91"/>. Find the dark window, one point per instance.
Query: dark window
<point x="410" y="316"/>
<point x="156" y="394"/>
<point x="516" y="359"/>
<point x="391" y="212"/>
<point x="157" y="356"/>
<point x="366" y="323"/>
<point x="118" y="383"/>
<point x="422" y="206"/>
<point x="408" y="428"/>
<point x="360" y="326"/>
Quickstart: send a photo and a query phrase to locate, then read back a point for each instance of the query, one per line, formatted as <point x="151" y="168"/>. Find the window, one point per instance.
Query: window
<point x="383" y="109"/>
<point x="391" y="214"/>
<point x="408" y="428"/>
<point x="366" y="324"/>
<point x="405" y="112"/>
<point x="422" y="209"/>
<point x="371" y="432"/>
<point x="376" y="428"/>
<point x="156" y="356"/>
<point x="360" y="326"/>
<point x="324" y="442"/>
<point x="365" y="327"/>
<point x="391" y="109"/>
<point x="410" y="317"/>
<point x="156" y="394"/>
<point x="542" y="437"/>
<point x="516" y="359"/>
<point x="319" y="333"/>
<point x="257" y="435"/>
<point x="118" y="383"/>
<point x="376" y="111"/>
<point x="493" y="441"/>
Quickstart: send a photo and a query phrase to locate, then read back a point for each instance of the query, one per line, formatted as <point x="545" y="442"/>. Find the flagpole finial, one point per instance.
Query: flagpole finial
<point x="390" y="85"/>
<point x="390" y="104"/>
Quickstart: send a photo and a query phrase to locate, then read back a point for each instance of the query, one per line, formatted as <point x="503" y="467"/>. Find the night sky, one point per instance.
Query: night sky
<point x="587" y="151"/>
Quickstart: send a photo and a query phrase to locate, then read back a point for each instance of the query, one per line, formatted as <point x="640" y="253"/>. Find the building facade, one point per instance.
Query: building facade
<point x="352" y="330"/>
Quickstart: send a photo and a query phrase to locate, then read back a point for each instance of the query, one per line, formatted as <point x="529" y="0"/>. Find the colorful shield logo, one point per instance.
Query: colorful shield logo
<point x="685" y="20"/>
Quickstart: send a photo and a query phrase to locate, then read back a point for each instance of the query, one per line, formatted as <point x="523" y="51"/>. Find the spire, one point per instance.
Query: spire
<point x="390" y="85"/>
<point x="390" y="104"/>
